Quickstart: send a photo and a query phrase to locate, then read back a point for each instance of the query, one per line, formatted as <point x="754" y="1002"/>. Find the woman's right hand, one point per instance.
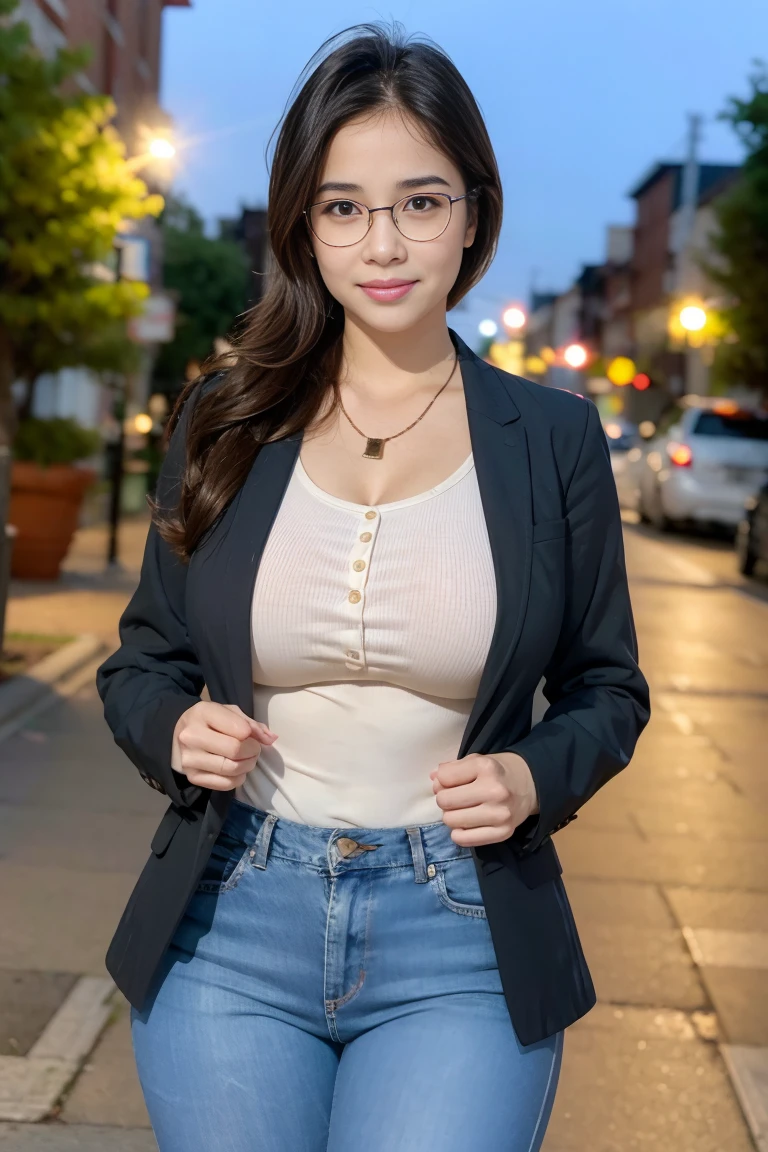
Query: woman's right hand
<point x="217" y="745"/>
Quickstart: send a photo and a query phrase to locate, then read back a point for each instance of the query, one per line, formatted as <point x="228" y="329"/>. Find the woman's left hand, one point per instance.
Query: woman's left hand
<point x="484" y="798"/>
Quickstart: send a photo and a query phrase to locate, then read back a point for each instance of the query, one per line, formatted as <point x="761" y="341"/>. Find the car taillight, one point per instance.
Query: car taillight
<point x="679" y="454"/>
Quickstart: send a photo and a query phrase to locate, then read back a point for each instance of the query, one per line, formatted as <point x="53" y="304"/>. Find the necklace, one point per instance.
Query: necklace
<point x="374" y="446"/>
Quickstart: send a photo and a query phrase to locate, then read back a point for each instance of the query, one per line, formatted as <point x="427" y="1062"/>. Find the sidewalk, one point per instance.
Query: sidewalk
<point x="665" y="869"/>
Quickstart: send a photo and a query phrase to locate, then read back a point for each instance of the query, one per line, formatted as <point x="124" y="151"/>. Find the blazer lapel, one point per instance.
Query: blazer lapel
<point x="502" y="467"/>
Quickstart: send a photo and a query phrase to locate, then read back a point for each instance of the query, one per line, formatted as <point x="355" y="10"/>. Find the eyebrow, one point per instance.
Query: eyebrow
<point x="403" y="185"/>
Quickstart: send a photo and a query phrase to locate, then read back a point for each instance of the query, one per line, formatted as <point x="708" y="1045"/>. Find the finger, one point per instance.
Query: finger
<point x="482" y="815"/>
<point x="469" y="795"/>
<point x="214" y="782"/>
<point x="199" y="761"/>
<point x="453" y="772"/>
<point x="201" y="738"/>
<point x="229" y="720"/>
<point x="256" y="726"/>
<point x="474" y="837"/>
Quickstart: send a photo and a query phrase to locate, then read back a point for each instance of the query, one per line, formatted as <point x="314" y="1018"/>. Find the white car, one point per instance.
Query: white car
<point x="707" y="456"/>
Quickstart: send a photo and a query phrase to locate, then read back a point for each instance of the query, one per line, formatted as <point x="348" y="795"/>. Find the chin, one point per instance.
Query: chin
<point x="389" y="318"/>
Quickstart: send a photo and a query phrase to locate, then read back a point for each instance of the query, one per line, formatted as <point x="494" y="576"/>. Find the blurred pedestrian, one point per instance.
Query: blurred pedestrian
<point x="370" y="546"/>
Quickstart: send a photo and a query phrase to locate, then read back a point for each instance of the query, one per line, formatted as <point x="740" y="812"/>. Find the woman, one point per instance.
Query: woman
<point x="369" y="546"/>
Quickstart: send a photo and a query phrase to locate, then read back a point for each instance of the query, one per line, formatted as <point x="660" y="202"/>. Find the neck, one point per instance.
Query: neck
<point x="387" y="366"/>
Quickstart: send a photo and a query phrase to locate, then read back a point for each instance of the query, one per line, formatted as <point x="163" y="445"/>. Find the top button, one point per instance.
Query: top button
<point x="370" y="515"/>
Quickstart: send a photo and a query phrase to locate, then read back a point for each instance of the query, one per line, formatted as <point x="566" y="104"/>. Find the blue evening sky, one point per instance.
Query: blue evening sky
<point x="580" y="99"/>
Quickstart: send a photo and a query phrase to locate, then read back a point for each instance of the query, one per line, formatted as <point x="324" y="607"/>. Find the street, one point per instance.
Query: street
<point x="665" y="869"/>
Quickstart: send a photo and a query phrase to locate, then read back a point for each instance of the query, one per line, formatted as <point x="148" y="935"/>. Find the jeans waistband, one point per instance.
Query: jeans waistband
<point x="342" y="849"/>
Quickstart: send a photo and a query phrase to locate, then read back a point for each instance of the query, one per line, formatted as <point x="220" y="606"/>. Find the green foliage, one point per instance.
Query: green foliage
<point x="742" y="243"/>
<point x="66" y="188"/>
<point x="210" y="278"/>
<point x="54" y="441"/>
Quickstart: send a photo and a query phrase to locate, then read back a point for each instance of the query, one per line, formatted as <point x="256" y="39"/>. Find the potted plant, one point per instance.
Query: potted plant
<point x="47" y="489"/>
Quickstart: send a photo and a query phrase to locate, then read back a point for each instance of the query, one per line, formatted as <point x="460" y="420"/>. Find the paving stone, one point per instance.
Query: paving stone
<point x="740" y="998"/>
<point x="58" y="920"/>
<point x="704" y="908"/>
<point x="108" y="1089"/>
<point x="725" y="948"/>
<point x="618" y="1093"/>
<point x="28" y="1000"/>
<point x="612" y="902"/>
<point x="77" y="840"/>
<point x="663" y="859"/>
<point x="632" y="965"/>
<point x="57" y="1137"/>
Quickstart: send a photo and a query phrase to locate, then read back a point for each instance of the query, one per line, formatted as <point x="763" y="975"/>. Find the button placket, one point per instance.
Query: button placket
<point x="359" y="560"/>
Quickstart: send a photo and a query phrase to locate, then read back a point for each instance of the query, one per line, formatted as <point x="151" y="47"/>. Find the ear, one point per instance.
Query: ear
<point x="472" y="220"/>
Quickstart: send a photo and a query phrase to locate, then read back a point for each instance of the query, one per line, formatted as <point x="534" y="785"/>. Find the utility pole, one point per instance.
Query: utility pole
<point x="689" y="199"/>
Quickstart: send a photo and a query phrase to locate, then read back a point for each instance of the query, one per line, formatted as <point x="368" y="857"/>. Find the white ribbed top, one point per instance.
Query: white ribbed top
<point x="370" y="630"/>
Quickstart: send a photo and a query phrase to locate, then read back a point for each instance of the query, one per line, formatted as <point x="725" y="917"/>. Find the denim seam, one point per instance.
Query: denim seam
<point x="475" y="910"/>
<point x="546" y="1100"/>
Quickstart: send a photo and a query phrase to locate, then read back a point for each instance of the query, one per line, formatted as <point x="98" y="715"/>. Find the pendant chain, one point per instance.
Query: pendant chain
<point x="374" y="447"/>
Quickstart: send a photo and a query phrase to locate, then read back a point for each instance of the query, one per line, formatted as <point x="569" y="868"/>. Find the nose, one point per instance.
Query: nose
<point x="383" y="243"/>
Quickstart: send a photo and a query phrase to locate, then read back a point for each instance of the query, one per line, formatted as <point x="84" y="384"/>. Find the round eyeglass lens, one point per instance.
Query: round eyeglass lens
<point x="423" y="217"/>
<point x="339" y="222"/>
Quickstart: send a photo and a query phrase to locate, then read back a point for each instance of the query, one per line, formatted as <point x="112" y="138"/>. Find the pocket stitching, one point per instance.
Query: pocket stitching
<point x="476" y="910"/>
<point x="213" y="888"/>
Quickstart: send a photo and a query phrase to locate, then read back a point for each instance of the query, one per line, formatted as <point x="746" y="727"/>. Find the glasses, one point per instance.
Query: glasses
<point x="422" y="217"/>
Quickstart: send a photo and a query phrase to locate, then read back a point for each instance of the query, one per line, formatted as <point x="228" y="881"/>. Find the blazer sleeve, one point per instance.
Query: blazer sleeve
<point x="154" y="676"/>
<point x="598" y="698"/>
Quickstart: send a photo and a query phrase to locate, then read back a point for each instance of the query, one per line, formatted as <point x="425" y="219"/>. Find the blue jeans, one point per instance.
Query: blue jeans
<point x="321" y="996"/>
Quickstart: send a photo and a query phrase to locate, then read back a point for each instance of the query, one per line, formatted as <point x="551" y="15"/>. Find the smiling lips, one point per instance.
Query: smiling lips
<point x="387" y="289"/>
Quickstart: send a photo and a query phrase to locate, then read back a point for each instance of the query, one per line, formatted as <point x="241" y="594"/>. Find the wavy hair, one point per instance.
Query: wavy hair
<point x="287" y="351"/>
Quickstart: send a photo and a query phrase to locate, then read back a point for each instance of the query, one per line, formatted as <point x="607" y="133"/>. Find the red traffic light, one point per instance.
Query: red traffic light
<point x="641" y="382"/>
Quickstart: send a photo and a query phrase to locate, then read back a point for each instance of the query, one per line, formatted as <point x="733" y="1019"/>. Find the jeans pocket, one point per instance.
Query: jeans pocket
<point x="458" y="889"/>
<point x="226" y="865"/>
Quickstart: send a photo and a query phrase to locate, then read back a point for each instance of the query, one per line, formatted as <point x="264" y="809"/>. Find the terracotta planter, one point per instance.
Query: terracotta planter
<point x="45" y="508"/>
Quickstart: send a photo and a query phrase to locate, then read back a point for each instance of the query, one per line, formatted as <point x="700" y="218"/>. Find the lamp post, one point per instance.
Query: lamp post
<point x="692" y="318"/>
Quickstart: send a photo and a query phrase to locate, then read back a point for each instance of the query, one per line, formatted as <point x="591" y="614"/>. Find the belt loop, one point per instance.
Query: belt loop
<point x="260" y="849"/>
<point x="417" y="851"/>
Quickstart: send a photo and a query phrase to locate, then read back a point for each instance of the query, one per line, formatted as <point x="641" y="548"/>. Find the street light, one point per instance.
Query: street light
<point x="575" y="355"/>
<point x="693" y="318"/>
<point x="161" y="148"/>
<point x="488" y="328"/>
<point x="513" y="318"/>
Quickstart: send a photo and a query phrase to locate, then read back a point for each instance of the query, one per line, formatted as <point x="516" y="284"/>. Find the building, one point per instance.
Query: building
<point x="668" y="242"/>
<point x="125" y="39"/>
<point x="250" y="230"/>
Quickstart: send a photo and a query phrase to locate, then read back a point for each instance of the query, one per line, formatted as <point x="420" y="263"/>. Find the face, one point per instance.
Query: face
<point x="385" y="281"/>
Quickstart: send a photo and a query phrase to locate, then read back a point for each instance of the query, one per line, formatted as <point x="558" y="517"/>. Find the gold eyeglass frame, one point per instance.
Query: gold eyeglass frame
<point x="472" y="194"/>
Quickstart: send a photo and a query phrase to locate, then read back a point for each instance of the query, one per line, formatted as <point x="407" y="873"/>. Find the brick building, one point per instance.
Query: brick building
<point x="125" y="39"/>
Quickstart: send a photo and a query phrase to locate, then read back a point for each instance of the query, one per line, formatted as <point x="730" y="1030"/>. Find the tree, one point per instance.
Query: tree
<point x="742" y="244"/>
<point x="66" y="189"/>
<point x="210" y="278"/>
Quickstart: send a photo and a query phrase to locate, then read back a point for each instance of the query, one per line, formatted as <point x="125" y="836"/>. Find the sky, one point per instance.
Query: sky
<point x="580" y="99"/>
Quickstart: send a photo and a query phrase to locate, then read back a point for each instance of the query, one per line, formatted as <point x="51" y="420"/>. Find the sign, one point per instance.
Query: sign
<point x="133" y="257"/>
<point x="157" y="323"/>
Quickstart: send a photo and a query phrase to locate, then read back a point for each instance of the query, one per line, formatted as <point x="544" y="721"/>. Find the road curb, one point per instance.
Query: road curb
<point x="23" y="694"/>
<point x="30" y="1085"/>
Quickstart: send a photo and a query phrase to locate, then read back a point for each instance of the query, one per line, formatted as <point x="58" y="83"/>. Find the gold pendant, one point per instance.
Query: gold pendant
<point x="374" y="449"/>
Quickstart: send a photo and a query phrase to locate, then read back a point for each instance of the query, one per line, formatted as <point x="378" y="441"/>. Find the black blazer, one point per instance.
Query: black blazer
<point x="564" y="614"/>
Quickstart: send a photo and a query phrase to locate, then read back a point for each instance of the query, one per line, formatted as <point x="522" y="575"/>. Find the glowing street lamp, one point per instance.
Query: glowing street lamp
<point x="488" y="328"/>
<point x="693" y="318"/>
<point x="160" y="148"/>
<point x="513" y="318"/>
<point x="575" y="355"/>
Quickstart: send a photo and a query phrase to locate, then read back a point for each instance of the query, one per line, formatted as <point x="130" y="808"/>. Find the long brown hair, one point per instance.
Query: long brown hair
<point x="288" y="352"/>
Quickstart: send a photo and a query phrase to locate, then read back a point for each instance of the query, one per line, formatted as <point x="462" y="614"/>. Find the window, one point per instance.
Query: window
<point x="742" y="425"/>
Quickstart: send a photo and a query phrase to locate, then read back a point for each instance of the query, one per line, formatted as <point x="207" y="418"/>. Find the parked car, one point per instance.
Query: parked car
<point x="707" y="456"/>
<point x="752" y="532"/>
